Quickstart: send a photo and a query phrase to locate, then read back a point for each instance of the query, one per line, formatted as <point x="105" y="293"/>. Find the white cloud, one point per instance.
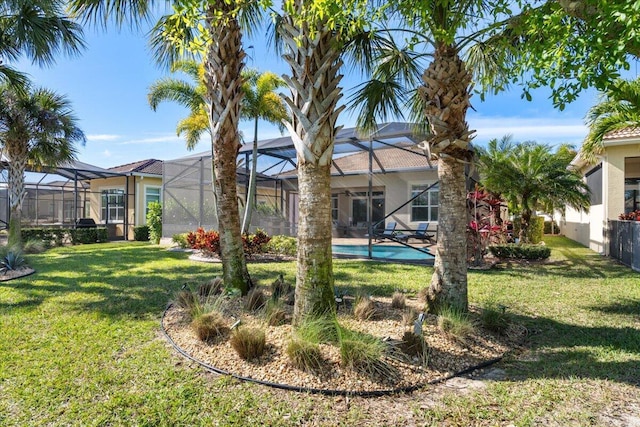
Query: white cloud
<point x="102" y="137"/>
<point x="106" y="153"/>
<point x="543" y="130"/>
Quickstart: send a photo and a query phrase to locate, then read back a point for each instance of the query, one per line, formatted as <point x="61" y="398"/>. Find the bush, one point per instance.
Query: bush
<point x="282" y="245"/>
<point x="154" y="221"/>
<point x="33" y="246"/>
<point x="209" y="326"/>
<point x="255" y="243"/>
<point x="535" y="232"/>
<point x="631" y="216"/>
<point x="304" y="355"/>
<point x="398" y="300"/>
<point x="83" y="235"/>
<point x="206" y="241"/>
<point x="101" y="235"/>
<point x="513" y="251"/>
<point x="547" y="227"/>
<point x="48" y="236"/>
<point x="248" y="343"/>
<point x="180" y="240"/>
<point x="141" y="233"/>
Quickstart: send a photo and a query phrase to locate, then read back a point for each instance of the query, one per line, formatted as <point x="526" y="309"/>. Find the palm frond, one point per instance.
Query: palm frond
<point x="377" y="101"/>
<point x="101" y="12"/>
<point x="169" y="89"/>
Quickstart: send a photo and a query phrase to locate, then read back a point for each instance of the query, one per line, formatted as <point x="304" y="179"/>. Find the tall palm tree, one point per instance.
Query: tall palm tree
<point x="212" y="29"/>
<point x="260" y="103"/>
<point x="531" y="176"/>
<point x="619" y="108"/>
<point x="37" y="128"/>
<point x="37" y="29"/>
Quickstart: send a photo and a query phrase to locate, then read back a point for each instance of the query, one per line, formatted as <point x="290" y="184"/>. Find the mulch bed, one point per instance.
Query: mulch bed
<point x="16" y="274"/>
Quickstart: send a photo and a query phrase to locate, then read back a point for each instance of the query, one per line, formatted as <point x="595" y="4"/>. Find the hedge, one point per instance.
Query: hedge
<point x="58" y="236"/>
<point x="514" y="251"/>
<point x="536" y="229"/>
<point x="141" y="233"/>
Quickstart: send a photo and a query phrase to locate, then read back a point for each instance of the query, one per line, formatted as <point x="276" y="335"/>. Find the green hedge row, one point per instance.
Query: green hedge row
<point x="536" y="229"/>
<point x="514" y="251"/>
<point x="59" y="236"/>
<point x="141" y="233"/>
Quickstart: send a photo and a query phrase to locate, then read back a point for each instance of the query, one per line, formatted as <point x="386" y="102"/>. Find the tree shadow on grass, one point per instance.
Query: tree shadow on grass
<point x="562" y="350"/>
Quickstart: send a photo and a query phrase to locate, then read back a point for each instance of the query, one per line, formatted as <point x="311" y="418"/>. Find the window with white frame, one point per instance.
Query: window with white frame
<point x="112" y="205"/>
<point x="334" y="207"/>
<point x="151" y="194"/>
<point x="425" y="206"/>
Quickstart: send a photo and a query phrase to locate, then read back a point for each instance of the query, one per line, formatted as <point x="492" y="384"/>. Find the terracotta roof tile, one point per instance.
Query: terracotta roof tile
<point x="149" y="166"/>
<point x="629" y="132"/>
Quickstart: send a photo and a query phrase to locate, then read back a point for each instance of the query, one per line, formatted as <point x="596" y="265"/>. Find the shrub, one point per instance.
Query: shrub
<point x="365" y="309"/>
<point x="282" y="245"/>
<point x="88" y="235"/>
<point x="513" y="251"/>
<point x="319" y="330"/>
<point x="209" y="326"/>
<point x="102" y="235"/>
<point x="255" y="243"/>
<point x="180" y="240"/>
<point x="398" y="300"/>
<point x="33" y="246"/>
<point x="535" y="232"/>
<point x="455" y="323"/>
<point x="154" y="221"/>
<point x="13" y="260"/>
<point x="248" y="343"/>
<point x="141" y="233"/>
<point x="494" y="317"/>
<point x="304" y="355"/>
<point x="631" y="216"/>
<point x="48" y="236"/>
<point x="255" y="300"/>
<point x="206" y="241"/>
<point x="364" y="354"/>
<point x="547" y="227"/>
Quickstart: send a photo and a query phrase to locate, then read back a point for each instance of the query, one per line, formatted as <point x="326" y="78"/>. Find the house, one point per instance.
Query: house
<point x="120" y="201"/>
<point x="614" y="181"/>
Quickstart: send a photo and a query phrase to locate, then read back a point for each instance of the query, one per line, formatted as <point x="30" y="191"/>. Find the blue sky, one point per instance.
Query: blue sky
<point x="108" y="84"/>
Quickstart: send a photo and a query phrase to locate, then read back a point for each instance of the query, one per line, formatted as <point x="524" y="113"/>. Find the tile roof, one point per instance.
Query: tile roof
<point x="391" y="159"/>
<point x="149" y="166"/>
<point x="629" y="132"/>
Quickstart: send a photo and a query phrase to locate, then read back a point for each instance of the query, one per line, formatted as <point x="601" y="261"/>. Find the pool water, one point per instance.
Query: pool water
<point x="397" y="253"/>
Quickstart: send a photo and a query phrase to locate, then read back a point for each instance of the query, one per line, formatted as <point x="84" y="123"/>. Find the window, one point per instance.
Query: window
<point x="112" y="205"/>
<point x="359" y="203"/>
<point x="425" y="206"/>
<point x="334" y="207"/>
<point x="151" y="194"/>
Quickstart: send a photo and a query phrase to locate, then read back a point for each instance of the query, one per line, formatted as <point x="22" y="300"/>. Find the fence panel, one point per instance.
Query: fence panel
<point x="624" y="242"/>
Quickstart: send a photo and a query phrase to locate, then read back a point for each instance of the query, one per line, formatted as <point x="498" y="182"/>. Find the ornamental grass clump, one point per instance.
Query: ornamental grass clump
<point x="365" y="308"/>
<point x="415" y="346"/>
<point x="455" y="323"/>
<point x="255" y="300"/>
<point x="274" y="313"/>
<point x="186" y="300"/>
<point x="304" y="355"/>
<point x="365" y="355"/>
<point x="249" y="343"/>
<point x="210" y="326"/>
<point x="319" y="330"/>
<point x="494" y="317"/>
<point x="398" y="300"/>
<point x="409" y="316"/>
<point x="211" y="288"/>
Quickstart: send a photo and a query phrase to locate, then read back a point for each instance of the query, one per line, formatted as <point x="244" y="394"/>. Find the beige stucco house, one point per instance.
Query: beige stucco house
<point x="120" y="202"/>
<point x="614" y="181"/>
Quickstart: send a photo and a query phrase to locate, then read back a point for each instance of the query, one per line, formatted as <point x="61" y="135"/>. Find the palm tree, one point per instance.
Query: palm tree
<point x="260" y="103"/>
<point x="37" y="29"/>
<point x="619" y="108"/>
<point x="188" y="94"/>
<point x="37" y="128"/>
<point x="531" y="176"/>
<point x="213" y="30"/>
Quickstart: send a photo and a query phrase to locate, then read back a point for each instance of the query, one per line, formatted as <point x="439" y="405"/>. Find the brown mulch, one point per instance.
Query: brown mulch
<point x="16" y="274"/>
<point x="447" y="355"/>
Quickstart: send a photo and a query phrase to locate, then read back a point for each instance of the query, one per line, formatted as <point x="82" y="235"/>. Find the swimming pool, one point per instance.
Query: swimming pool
<point x="395" y="253"/>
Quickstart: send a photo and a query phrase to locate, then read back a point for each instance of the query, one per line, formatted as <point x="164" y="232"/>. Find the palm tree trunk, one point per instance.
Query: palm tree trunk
<point x="223" y="68"/>
<point x="17" y="165"/>
<point x="314" y="95"/>
<point x="246" y="222"/>
<point x="446" y="92"/>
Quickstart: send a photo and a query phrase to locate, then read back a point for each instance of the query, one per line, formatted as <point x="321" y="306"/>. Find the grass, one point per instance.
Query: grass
<point x="80" y="345"/>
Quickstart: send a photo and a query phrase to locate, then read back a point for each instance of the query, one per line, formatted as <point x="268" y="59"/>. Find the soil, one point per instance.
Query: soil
<point x="447" y="354"/>
<point x="15" y="274"/>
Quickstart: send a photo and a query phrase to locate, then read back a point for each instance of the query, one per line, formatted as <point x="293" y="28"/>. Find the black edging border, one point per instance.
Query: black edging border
<point x="325" y="392"/>
<point x="18" y="277"/>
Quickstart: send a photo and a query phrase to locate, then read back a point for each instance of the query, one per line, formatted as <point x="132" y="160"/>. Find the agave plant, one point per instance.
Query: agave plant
<point x="13" y="260"/>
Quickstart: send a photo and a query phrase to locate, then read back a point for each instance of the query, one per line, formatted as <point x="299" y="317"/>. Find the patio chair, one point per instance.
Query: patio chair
<point x="390" y="233"/>
<point x="421" y="233"/>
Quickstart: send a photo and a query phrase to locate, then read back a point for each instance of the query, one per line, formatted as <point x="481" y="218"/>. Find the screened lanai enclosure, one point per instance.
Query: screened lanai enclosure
<point x="378" y="177"/>
<point x="59" y="197"/>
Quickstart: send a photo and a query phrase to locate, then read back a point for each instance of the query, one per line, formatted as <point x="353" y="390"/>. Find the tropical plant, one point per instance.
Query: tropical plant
<point x="37" y="128"/>
<point x="13" y="260"/>
<point x="529" y="176"/>
<point x="37" y="29"/>
<point x="260" y="102"/>
<point x="619" y="108"/>
<point x="154" y="221"/>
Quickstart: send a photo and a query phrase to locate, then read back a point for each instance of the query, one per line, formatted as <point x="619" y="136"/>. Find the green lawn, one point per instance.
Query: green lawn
<point x="80" y="345"/>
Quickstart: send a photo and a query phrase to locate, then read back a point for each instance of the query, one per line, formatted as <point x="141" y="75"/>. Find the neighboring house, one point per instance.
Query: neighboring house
<point x="121" y="202"/>
<point x="399" y="174"/>
<point x="614" y="181"/>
